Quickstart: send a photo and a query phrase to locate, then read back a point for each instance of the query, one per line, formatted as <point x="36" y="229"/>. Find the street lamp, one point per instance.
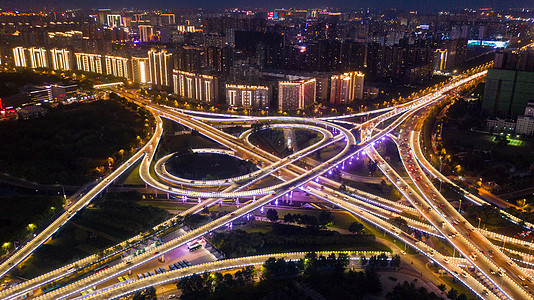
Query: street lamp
<point x="460" y="207"/>
<point x="478" y="223"/>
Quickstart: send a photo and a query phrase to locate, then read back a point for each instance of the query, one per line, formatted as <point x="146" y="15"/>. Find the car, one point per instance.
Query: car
<point x="521" y="277"/>
<point x="500" y="273"/>
<point x="492" y="272"/>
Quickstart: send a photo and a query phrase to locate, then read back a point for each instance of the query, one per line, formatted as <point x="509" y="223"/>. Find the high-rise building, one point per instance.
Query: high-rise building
<point x="89" y="62"/>
<point x="160" y="67"/>
<point x="114" y="20"/>
<point x="525" y="125"/>
<point x="247" y="96"/>
<point x="195" y="86"/>
<point x="146" y="32"/>
<point x="168" y="19"/>
<point x="514" y="60"/>
<point x="140" y="70"/>
<point x="19" y="57"/>
<point x="296" y="94"/>
<point x="61" y="59"/>
<point x="117" y="66"/>
<point x="346" y="87"/>
<point x="102" y="13"/>
<point x="440" y="59"/>
<point x="507" y="92"/>
<point x="188" y="58"/>
<point x="38" y="58"/>
<point x="529" y="110"/>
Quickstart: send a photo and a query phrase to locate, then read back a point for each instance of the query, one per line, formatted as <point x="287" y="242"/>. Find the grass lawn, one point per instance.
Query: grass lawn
<point x="132" y="176"/>
<point x="371" y="246"/>
<point x="373" y="189"/>
<point x="167" y="205"/>
<point x="380" y="233"/>
<point x="457" y="285"/>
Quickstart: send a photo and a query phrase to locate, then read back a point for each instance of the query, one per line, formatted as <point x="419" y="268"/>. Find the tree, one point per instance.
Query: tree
<point x="356" y="227"/>
<point x="395" y="261"/>
<point x="442" y="287"/>
<point x="342" y="261"/>
<point x="193" y="287"/>
<point x="272" y="215"/>
<point x="325" y="217"/>
<point x="372" y="166"/>
<point x="452" y="294"/>
<point x="289" y="218"/>
<point x="363" y="260"/>
<point x="383" y="260"/>
<point x="146" y="294"/>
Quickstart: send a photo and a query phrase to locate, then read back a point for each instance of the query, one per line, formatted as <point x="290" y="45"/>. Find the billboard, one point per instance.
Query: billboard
<point x="494" y="44"/>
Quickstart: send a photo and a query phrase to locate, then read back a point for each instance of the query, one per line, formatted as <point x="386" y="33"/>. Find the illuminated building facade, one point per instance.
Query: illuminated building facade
<point x="89" y="62"/>
<point x="117" y="66"/>
<point x="440" y="59"/>
<point x="195" y="86"/>
<point x="140" y="72"/>
<point x="19" y="56"/>
<point x="160" y="67"/>
<point x="114" y="20"/>
<point x="38" y="58"/>
<point x="61" y="59"/>
<point x="146" y="32"/>
<point x="346" y="87"/>
<point x="296" y="94"/>
<point x="168" y="19"/>
<point x="247" y="96"/>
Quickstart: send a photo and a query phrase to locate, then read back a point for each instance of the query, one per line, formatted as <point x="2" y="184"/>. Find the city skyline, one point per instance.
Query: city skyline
<point x="144" y="151"/>
<point x="419" y="5"/>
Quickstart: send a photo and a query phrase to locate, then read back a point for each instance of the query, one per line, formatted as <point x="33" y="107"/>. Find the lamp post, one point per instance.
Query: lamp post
<point x="478" y="223"/>
<point x="440" y="165"/>
<point x="460" y="207"/>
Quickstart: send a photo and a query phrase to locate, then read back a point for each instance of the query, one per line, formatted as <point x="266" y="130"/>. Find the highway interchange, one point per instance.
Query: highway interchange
<point x="498" y="277"/>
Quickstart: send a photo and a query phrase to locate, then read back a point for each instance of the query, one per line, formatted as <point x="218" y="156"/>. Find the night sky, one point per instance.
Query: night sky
<point x="426" y="5"/>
